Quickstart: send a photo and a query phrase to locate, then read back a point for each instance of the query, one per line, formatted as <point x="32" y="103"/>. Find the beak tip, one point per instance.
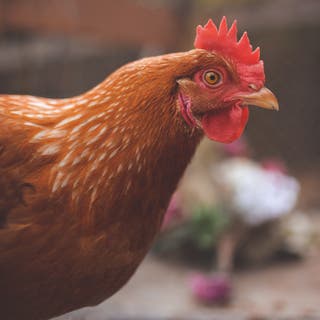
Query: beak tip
<point x="275" y="105"/>
<point x="263" y="98"/>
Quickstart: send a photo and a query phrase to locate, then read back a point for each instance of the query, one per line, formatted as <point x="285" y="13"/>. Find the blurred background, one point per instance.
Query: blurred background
<point x="227" y="250"/>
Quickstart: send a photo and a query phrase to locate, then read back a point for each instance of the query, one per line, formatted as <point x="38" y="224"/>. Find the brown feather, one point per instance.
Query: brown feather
<point x="85" y="183"/>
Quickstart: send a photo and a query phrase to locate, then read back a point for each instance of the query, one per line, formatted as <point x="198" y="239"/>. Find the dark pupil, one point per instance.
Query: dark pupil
<point x="212" y="77"/>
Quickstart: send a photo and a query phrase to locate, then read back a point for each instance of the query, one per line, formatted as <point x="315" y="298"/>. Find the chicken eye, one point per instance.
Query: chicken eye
<point x="212" y="78"/>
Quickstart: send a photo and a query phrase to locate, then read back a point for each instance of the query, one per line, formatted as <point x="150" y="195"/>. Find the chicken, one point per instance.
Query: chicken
<point x="85" y="181"/>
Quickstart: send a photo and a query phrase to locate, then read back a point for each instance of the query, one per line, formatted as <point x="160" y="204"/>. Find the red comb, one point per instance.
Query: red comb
<point x="225" y="40"/>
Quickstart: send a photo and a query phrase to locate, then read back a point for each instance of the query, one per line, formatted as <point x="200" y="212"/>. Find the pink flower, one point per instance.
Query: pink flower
<point x="211" y="289"/>
<point x="274" y="165"/>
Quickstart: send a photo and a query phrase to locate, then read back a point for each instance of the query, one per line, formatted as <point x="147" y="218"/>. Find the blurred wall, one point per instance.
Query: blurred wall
<point x="291" y="56"/>
<point x="120" y="22"/>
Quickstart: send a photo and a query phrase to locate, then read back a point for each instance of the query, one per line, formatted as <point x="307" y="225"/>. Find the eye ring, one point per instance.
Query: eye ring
<point x="212" y="78"/>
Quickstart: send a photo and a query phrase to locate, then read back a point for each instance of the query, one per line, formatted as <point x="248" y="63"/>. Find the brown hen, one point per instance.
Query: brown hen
<point x="85" y="181"/>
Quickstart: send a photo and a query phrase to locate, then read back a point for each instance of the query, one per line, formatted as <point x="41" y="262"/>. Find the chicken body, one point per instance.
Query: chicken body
<point x="86" y="182"/>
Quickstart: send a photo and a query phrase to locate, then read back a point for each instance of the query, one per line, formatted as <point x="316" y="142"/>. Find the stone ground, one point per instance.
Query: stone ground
<point x="159" y="290"/>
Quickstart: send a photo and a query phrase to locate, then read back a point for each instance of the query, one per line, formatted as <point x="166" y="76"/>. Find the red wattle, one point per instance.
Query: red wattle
<point x="225" y="125"/>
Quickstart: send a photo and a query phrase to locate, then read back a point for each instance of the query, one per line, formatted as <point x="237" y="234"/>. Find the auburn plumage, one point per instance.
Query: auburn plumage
<point x="87" y="179"/>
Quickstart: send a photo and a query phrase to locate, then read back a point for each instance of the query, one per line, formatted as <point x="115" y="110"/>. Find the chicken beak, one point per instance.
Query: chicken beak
<point x="263" y="98"/>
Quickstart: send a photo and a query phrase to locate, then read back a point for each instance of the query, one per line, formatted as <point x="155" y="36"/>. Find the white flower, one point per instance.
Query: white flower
<point x="256" y="194"/>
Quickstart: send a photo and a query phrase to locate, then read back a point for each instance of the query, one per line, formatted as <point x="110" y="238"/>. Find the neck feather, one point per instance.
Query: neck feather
<point x="124" y="139"/>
